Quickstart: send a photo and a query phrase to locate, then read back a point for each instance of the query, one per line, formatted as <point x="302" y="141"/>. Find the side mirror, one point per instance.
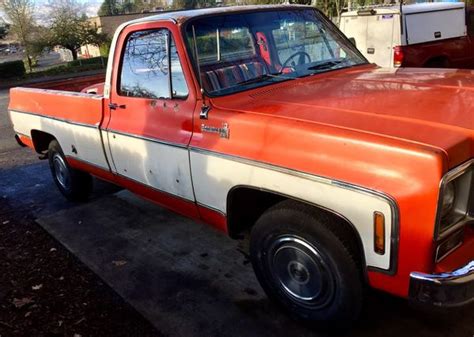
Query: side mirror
<point x="353" y="41"/>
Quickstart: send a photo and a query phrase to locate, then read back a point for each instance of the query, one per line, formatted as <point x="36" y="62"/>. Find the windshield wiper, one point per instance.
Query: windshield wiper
<point x="326" y="65"/>
<point x="264" y="77"/>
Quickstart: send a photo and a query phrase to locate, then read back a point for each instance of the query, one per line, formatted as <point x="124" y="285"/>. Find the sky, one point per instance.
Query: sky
<point x="90" y="7"/>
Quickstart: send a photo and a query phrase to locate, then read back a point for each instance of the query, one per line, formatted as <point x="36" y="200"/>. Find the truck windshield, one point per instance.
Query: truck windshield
<point x="241" y="51"/>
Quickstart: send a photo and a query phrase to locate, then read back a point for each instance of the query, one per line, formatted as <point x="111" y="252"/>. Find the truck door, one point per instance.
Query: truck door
<point x="151" y="112"/>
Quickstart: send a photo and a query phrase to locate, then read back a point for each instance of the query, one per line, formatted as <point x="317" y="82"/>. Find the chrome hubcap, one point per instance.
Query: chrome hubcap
<point x="61" y="171"/>
<point x="301" y="271"/>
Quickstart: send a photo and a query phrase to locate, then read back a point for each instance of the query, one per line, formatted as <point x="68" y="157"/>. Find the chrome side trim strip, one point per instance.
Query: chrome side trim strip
<point x="133" y="180"/>
<point x="155" y="189"/>
<point x="56" y="119"/>
<point x="22" y="134"/>
<point x="89" y="163"/>
<point x="154" y="140"/>
<point x="212" y="209"/>
<point x="395" y="231"/>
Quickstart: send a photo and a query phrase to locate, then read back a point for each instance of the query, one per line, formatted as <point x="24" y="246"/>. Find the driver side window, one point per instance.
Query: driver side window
<point x="151" y="67"/>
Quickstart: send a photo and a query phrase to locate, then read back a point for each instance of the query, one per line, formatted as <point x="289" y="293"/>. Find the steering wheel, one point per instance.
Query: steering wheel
<point x="302" y="55"/>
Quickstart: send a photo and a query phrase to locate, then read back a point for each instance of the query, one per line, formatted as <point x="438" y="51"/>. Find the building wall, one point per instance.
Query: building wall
<point x="89" y="51"/>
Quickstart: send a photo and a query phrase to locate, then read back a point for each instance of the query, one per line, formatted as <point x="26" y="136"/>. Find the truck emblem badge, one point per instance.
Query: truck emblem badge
<point x="223" y="132"/>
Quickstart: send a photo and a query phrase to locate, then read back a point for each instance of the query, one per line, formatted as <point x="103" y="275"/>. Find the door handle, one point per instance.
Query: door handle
<point x="115" y="106"/>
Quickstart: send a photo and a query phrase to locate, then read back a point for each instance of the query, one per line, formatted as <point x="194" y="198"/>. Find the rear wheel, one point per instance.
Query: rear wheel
<point x="75" y="185"/>
<point x="303" y="262"/>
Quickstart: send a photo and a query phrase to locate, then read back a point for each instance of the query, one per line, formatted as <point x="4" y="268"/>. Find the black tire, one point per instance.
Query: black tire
<point x="75" y="185"/>
<point x="305" y="263"/>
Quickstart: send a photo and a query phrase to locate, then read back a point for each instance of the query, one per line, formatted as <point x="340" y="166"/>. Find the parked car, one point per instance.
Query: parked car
<point x="433" y="35"/>
<point x="269" y="120"/>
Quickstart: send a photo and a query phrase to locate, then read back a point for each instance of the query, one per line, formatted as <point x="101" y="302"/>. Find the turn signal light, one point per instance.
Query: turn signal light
<point x="398" y="56"/>
<point x="379" y="233"/>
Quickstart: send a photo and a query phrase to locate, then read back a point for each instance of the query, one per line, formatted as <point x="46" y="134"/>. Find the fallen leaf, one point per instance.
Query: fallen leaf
<point x="61" y="278"/>
<point x="6" y="324"/>
<point x="119" y="263"/>
<point x="53" y="250"/>
<point x="6" y="222"/>
<point x="60" y="323"/>
<point x="79" y="222"/>
<point x="28" y="314"/>
<point x="80" y="321"/>
<point x="20" y="302"/>
<point x="37" y="287"/>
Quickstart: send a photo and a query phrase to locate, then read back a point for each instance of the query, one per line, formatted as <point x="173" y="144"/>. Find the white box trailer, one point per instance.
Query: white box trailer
<point x="378" y="31"/>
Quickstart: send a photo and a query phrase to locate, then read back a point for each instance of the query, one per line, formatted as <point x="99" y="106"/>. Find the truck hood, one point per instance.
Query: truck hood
<point x="433" y="107"/>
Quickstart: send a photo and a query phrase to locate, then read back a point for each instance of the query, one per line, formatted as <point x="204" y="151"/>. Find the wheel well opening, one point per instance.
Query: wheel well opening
<point x="437" y="62"/>
<point x="246" y="204"/>
<point x="41" y="140"/>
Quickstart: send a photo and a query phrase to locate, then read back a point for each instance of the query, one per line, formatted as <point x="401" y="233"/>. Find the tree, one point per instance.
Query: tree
<point x="70" y="30"/>
<point x="20" y="14"/>
<point x="114" y="7"/>
<point x="190" y="4"/>
<point x="108" y="7"/>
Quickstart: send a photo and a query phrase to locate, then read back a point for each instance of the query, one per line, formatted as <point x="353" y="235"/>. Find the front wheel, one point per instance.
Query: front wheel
<point x="304" y="263"/>
<point x="75" y="185"/>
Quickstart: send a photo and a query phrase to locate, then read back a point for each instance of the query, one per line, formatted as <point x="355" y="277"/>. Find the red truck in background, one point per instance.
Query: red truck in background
<point x="267" y="120"/>
<point x="432" y="35"/>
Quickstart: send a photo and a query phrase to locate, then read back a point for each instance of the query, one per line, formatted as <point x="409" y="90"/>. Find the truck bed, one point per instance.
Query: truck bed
<point x="74" y="118"/>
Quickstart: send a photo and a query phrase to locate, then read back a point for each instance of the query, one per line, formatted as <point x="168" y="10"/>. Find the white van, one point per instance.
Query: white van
<point x="383" y="34"/>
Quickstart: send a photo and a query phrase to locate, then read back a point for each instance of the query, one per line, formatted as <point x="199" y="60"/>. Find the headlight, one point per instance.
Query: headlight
<point x="455" y="207"/>
<point x="449" y="196"/>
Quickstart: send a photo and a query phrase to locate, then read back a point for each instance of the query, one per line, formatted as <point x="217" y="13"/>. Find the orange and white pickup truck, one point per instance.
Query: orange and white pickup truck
<point x="268" y="120"/>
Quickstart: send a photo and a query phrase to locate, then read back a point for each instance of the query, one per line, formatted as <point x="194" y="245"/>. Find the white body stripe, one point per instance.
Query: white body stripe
<point x="167" y="168"/>
<point x="85" y="139"/>
<point x="215" y="176"/>
<point x="160" y="166"/>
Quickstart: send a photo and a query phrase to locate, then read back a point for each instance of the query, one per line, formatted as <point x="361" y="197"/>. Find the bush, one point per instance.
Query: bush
<point x="65" y="69"/>
<point x="34" y="63"/>
<point x="84" y="62"/>
<point x="12" y="69"/>
<point x="105" y="48"/>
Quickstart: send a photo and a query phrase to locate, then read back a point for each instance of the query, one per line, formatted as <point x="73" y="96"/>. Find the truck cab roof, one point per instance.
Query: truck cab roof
<point x="181" y="16"/>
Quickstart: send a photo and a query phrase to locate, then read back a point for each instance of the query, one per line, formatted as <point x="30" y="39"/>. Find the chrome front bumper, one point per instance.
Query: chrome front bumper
<point x="443" y="290"/>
